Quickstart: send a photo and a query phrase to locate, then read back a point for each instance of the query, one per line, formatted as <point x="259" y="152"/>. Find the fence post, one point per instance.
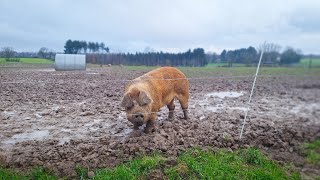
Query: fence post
<point x="254" y="83"/>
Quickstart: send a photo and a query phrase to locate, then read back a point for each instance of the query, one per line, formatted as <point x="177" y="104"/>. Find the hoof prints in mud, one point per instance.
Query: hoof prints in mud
<point x="73" y="119"/>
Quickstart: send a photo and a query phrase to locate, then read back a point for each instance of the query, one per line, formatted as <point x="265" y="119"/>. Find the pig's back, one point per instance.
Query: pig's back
<point x="165" y="83"/>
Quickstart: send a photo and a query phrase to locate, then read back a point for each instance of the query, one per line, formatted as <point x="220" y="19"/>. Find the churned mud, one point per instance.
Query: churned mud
<point x="60" y="120"/>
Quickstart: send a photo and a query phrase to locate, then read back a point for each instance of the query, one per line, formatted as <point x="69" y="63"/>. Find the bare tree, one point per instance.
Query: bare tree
<point x="271" y="52"/>
<point x="8" y="53"/>
<point x="43" y="52"/>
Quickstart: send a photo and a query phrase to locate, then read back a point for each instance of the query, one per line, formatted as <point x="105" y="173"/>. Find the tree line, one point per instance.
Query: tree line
<point x="77" y="46"/>
<point x="190" y="58"/>
<point x="99" y="53"/>
<point x="196" y="57"/>
<point x="250" y="55"/>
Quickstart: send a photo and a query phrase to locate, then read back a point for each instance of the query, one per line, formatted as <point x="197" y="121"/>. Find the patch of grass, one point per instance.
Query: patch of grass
<point x="41" y="173"/>
<point x="37" y="173"/>
<point x="13" y="60"/>
<point x="225" y="65"/>
<point x="312" y="151"/>
<point x="315" y="62"/>
<point x="193" y="164"/>
<point x="28" y="61"/>
<point x="134" y="169"/>
<point x="10" y="174"/>
<point x="82" y="172"/>
<point x="244" y="164"/>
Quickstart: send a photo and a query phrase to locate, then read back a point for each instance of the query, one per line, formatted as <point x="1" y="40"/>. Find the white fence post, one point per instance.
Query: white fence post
<point x="253" y="85"/>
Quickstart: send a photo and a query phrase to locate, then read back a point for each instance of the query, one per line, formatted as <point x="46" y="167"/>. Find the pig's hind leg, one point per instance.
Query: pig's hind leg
<point x="183" y="99"/>
<point x="171" y="108"/>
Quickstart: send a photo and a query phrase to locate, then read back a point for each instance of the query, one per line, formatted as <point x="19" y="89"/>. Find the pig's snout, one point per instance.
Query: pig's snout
<point x="138" y="119"/>
<point x="138" y="116"/>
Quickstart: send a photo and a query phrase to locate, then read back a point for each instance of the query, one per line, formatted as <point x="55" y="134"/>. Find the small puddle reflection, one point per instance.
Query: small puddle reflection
<point x="224" y="94"/>
<point x="35" y="135"/>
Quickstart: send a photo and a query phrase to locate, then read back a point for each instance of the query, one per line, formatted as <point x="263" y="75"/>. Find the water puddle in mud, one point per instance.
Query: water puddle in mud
<point x="95" y="121"/>
<point x="224" y="94"/>
<point x="125" y="131"/>
<point x="238" y="108"/>
<point x="9" y="113"/>
<point x="215" y="109"/>
<point x="35" y="135"/>
<point x="46" y="70"/>
<point x="63" y="141"/>
<point x="305" y="108"/>
<point x="213" y="106"/>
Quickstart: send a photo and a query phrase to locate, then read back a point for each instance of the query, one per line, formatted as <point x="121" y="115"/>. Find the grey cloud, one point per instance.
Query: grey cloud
<point x="162" y="25"/>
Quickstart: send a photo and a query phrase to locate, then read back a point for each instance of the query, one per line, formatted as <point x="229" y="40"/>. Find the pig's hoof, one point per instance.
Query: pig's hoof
<point x="184" y="117"/>
<point x="149" y="130"/>
<point x="171" y="118"/>
<point x="135" y="133"/>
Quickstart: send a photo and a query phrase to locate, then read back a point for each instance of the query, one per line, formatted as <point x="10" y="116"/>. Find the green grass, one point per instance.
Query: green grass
<point x="193" y="164"/>
<point x="28" y="61"/>
<point x="244" y="164"/>
<point x="225" y="65"/>
<point x="237" y="71"/>
<point x="312" y="151"/>
<point x="134" y="169"/>
<point x="37" y="173"/>
<point x="305" y="62"/>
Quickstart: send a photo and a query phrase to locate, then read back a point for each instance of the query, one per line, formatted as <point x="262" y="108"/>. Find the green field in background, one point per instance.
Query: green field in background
<point x="28" y="61"/>
<point x="315" y="62"/>
<point x="237" y="71"/>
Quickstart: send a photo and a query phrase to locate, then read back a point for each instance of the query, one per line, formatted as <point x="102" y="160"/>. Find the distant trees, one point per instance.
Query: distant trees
<point x="8" y="53"/>
<point x="45" y="53"/>
<point x="243" y="55"/>
<point x="196" y="57"/>
<point x="76" y="47"/>
<point x="212" y="57"/>
<point x="271" y="53"/>
<point x="99" y="53"/>
<point x="290" y="56"/>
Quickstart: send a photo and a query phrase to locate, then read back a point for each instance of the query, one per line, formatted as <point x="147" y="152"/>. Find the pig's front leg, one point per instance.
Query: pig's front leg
<point x="150" y="124"/>
<point x="135" y="126"/>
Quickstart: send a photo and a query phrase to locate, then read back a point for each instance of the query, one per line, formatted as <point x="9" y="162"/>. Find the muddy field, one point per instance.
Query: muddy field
<point x="59" y="120"/>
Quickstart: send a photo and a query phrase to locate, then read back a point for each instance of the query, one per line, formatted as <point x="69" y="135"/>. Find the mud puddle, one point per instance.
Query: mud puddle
<point x="225" y="94"/>
<point x="34" y="135"/>
<point x="218" y="101"/>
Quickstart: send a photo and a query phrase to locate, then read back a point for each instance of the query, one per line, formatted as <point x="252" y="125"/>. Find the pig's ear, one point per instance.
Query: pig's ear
<point x="143" y="99"/>
<point x="126" y="101"/>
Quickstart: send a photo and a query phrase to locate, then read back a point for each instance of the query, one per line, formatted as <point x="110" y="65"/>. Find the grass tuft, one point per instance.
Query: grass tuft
<point x="82" y="172"/>
<point x="312" y="151"/>
<point x="37" y="173"/>
<point x="132" y="170"/>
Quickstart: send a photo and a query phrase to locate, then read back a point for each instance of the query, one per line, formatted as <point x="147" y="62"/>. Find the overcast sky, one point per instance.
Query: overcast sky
<point x="167" y="25"/>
